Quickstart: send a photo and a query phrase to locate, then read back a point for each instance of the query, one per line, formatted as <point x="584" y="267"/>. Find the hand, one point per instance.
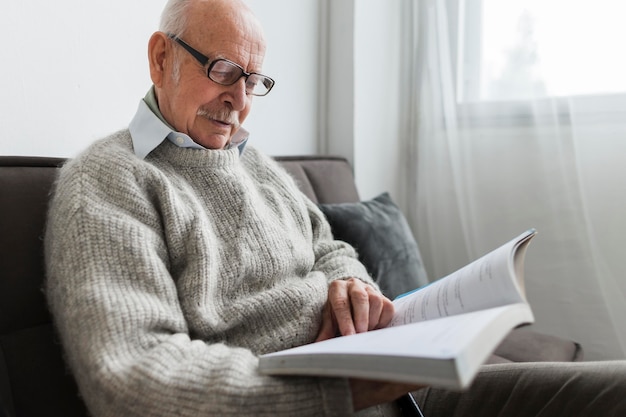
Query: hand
<point x="353" y="307"/>
<point x="366" y="393"/>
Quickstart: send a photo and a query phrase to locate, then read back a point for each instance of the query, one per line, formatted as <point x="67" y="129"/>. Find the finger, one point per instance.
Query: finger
<point x="387" y="312"/>
<point x="360" y="304"/>
<point x="341" y="308"/>
<point x="375" y="307"/>
<point x="328" y="328"/>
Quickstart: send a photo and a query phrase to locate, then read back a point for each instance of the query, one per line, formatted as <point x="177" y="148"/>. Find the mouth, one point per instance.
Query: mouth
<point x="217" y="122"/>
<point x="222" y="118"/>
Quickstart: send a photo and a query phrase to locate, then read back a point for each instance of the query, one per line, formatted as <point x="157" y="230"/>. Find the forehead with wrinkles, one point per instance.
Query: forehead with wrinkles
<point x="226" y="29"/>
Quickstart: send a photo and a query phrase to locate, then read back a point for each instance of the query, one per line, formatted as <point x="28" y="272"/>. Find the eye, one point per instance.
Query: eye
<point x="252" y="82"/>
<point x="224" y="72"/>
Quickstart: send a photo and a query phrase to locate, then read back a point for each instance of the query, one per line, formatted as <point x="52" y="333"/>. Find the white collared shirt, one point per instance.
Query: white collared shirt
<point x="148" y="130"/>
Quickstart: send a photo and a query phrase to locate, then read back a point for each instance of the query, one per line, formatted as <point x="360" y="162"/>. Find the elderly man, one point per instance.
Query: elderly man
<point x="176" y="254"/>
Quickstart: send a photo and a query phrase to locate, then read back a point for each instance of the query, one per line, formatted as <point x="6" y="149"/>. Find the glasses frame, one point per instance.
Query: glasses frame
<point x="204" y="60"/>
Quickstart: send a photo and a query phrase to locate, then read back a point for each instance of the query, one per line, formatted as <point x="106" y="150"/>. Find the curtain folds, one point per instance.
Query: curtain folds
<point x="480" y="173"/>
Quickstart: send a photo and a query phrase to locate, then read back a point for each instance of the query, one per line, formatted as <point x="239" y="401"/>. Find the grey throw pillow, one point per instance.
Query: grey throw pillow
<point x="379" y="232"/>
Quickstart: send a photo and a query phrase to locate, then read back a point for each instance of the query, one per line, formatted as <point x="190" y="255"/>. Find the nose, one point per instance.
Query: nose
<point x="236" y="96"/>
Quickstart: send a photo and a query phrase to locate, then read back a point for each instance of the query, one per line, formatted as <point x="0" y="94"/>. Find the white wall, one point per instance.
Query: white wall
<point x="377" y="84"/>
<point x="285" y="122"/>
<point x="74" y="71"/>
<point x="362" y="101"/>
<point x="77" y="71"/>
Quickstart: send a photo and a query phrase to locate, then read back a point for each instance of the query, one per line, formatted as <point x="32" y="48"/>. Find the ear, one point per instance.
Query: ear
<point x="158" y="50"/>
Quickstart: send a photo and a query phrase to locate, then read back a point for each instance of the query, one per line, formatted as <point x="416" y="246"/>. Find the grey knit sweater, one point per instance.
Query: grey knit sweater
<point x="168" y="276"/>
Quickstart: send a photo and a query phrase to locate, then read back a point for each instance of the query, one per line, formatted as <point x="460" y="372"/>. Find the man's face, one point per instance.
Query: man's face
<point x="193" y="104"/>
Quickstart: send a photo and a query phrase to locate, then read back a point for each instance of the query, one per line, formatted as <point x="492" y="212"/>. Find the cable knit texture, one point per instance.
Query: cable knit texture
<point x="168" y="276"/>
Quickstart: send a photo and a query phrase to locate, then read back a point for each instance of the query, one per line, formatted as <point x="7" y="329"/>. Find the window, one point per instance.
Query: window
<point x="524" y="49"/>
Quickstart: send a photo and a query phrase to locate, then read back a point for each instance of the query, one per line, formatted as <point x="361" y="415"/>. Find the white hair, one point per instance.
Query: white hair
<point x="174" y="21"/>
<point x="174" y="17"/>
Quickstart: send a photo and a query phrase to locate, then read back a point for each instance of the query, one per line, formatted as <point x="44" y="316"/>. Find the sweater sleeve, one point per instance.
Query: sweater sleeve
<point x="125" y="336"/>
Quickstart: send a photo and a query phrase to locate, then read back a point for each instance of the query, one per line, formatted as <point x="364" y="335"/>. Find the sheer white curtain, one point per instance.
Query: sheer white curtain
<point x="486" y="170"/>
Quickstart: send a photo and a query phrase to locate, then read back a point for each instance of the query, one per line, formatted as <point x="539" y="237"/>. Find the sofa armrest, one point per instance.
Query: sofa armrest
<point x="526" y="345"/>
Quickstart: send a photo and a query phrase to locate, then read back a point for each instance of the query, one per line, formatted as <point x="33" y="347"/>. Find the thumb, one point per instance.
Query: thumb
<point x="328" y="329"/>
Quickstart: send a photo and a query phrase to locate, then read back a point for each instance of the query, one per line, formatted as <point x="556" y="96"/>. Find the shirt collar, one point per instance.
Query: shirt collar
<point x="148" y="129"/>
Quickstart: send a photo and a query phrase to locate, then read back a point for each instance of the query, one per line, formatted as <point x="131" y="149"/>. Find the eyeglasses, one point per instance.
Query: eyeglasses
<point x="225" y="72"/>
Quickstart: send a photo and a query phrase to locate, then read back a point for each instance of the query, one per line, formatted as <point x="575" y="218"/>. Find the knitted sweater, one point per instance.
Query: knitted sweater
<point x="167" y="277"/>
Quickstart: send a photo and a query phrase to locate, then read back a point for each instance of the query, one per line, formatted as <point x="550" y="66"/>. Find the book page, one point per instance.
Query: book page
<point x="492" y="280"/>
<point x="440" y="338"/>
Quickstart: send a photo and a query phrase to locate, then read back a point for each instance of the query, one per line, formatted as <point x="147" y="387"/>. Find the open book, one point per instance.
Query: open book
<point x="440" y="334"/>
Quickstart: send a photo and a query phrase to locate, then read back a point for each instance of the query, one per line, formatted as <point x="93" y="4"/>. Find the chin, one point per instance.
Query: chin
<point x="213" y="143"/>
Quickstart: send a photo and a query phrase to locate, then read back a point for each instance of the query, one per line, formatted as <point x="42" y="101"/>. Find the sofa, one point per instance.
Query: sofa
<point x="34" y="380"/>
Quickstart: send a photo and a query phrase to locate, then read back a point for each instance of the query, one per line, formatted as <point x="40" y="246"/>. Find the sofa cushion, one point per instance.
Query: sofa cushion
<point x="383" y="239"/>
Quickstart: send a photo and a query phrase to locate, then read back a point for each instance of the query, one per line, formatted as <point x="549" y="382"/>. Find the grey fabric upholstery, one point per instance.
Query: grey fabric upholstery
<point x="33" y="378"/>
<point x="525" y="345"/>
<point x="323" y="179"/>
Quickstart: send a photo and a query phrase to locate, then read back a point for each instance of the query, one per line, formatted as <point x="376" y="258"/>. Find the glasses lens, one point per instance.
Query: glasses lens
<point x="224" y="72"/>
<point x="259" y="85"/>
<point x="227" y="73"/>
